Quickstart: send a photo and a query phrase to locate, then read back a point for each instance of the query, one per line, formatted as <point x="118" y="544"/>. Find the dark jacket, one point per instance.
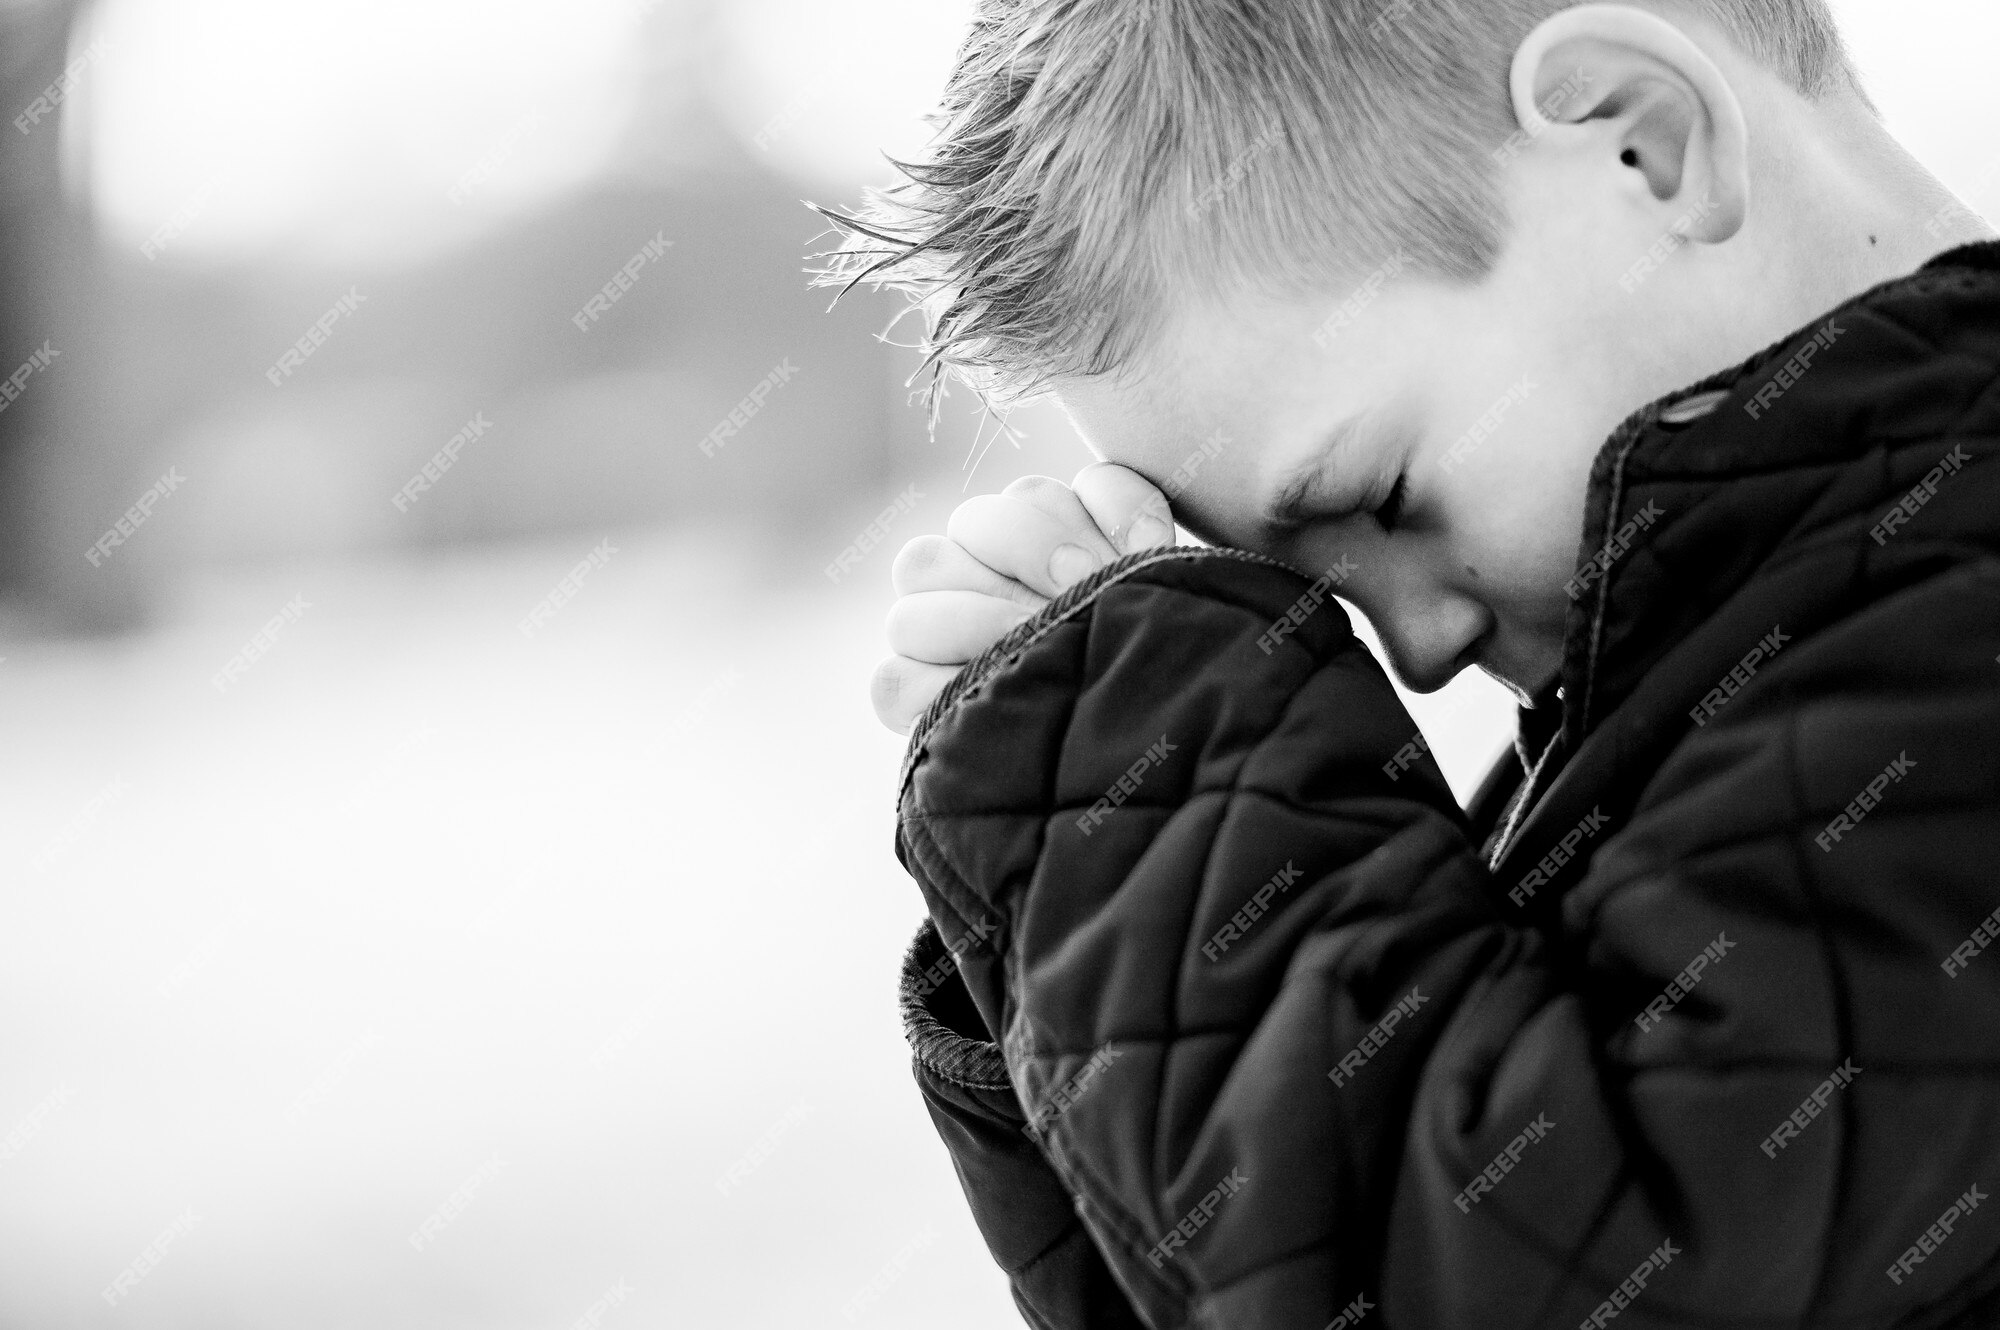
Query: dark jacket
<point x="1688" y="1022"/>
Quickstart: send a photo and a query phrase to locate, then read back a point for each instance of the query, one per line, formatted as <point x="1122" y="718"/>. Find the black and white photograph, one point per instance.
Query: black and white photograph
<point x="967" y="664"/>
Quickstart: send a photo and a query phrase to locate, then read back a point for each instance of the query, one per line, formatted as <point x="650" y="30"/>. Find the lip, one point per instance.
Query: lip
<point x="1520" y="678"/>
<point x="1474" y="654"/>
<point x="1425" y="681"/>
<point x="1525" y="684"/>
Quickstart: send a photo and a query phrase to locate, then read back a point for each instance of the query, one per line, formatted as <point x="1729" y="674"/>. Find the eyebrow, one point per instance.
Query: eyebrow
<point x="1294" y="504"/>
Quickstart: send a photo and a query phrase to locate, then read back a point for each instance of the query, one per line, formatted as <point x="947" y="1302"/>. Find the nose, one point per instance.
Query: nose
<point x="1429" y="635"/>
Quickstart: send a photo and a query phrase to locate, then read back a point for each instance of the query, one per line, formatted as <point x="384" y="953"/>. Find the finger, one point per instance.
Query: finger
<point x="938" y="563"/>
<point x="1060" y="502"/>
<point x="950" y="627"/>
<point x="902" y="690"/>
<point x="1018" y="540"/>
<point x="1127" y="507"/>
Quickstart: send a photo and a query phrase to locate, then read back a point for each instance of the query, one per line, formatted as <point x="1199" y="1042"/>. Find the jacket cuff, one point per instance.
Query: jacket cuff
<point x="946" y="1033"/>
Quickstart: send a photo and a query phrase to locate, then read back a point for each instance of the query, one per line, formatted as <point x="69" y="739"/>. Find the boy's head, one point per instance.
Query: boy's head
<point x="1385" y="273"/>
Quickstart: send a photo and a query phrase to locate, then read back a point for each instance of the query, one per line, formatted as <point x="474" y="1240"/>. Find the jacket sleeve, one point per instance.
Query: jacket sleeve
<point x="1059" y="1280"/>
<point x="1293" y="1057"/>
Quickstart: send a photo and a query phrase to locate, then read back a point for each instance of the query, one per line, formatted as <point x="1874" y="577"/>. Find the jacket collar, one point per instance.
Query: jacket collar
<point x="1659" y="555"/>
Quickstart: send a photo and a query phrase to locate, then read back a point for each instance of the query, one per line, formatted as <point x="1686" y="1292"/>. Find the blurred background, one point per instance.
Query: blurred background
<point x="370" y="958"/>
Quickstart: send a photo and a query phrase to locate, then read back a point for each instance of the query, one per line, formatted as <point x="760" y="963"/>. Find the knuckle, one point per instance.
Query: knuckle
<point x="973" y="506"/>
<point x="919" y="557"/>
<point x="1031" y="488"/>
<point x="970" y="519"/>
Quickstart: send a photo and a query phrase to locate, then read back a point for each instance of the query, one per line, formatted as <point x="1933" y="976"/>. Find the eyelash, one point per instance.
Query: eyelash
<point x="1392" y="507"/>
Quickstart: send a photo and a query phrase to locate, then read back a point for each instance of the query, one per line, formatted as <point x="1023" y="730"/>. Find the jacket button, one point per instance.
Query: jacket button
<point x="1690" y="409"/>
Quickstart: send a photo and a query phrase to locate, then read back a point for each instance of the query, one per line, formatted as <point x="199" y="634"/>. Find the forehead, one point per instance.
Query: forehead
<point x="1227" y="400"/>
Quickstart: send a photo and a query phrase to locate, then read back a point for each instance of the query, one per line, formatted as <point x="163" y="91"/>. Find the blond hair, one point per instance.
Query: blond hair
<point x="1095" y="158"/>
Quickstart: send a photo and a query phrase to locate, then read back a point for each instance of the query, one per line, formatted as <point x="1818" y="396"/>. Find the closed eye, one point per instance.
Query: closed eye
<point x="1391" y="507"/>
<point x="1312" y="494"/>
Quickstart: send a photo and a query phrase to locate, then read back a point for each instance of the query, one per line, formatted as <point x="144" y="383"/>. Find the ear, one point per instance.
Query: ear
<point x="1673" y="117"/>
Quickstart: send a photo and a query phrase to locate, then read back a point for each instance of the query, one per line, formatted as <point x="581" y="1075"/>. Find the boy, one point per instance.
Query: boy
<point x="1227" y="1013"/>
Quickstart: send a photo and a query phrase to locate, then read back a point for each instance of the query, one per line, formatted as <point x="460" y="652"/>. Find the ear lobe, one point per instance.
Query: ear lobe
<point x="1687" y="132"/>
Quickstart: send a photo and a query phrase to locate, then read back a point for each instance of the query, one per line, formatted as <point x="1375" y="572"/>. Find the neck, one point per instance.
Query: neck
<point x="1868" y="211"/>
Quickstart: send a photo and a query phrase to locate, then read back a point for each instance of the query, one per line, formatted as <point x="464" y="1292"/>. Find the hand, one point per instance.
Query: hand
<point x="1002" y="557"/>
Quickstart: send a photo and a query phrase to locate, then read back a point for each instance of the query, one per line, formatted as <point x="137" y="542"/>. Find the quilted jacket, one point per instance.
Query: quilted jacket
<point x="1230" y="1016"/>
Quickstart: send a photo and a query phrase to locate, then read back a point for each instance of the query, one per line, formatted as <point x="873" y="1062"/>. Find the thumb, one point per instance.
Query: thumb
<point x="1128" y="508"/>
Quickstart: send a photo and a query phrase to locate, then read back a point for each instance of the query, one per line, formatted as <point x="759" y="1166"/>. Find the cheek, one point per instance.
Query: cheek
<point x="1516" y="521"/>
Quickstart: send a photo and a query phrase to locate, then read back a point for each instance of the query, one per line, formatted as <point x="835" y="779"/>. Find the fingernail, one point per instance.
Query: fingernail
<point x="1147" y="532"/>
<point x="1070" y="564"/>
